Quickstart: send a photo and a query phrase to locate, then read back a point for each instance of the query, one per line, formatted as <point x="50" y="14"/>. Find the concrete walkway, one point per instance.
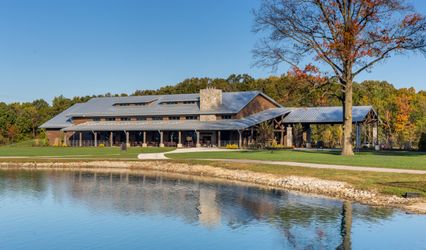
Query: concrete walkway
<point x="161" y="156"/>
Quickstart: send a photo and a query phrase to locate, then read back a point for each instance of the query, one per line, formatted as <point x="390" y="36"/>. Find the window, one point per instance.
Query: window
<point x="96" y="119"/>
<point x="125" y="119"/>
<point x="191" y="117"/>
<point x="189" y="102"/>
<point x="131" y="104"/>
<point x="157" y="118"/>
<point x="110" y="119"/>
<point x="141" y="118"/>
<point x="226" y="117"/>
<point x="174" y="118"/>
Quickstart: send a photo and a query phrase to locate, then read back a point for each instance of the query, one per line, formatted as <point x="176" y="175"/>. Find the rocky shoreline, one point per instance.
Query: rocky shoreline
<point x="309" y="185"/>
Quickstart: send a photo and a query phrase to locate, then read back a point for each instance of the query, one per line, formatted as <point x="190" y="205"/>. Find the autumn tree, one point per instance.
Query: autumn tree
<point x="347" y="36"/>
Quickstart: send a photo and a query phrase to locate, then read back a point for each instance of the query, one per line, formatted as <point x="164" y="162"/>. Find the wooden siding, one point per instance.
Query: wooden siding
<point x="258" y="104"/>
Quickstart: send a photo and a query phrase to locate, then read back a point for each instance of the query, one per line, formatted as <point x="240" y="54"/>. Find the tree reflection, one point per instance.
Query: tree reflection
<point x="305" y="222"/>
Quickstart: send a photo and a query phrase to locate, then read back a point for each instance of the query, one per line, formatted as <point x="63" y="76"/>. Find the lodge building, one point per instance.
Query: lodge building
<point x="208" y="118"/>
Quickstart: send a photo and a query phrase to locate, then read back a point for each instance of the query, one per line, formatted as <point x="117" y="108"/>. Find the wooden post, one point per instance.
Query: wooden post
<point x="357" y="136"/>
<point x="161" y="140"/>
<point x="307" y="135"/>
<point x="240" y="139"/>
<point x="127" y="139"/>
<point x="251" y="136"/>
<point x="111" y="139"/>
<point x="179" y="145"/>
<point x="282" y="137"/>
<point x="96" y="139"/>
<point x="144" y="144"/>
<point x="289" y="142"/>
<point x="80" y="142"/>
<point x="376" y="136"/>
<point x="218" y="139"/>
<point x="198" y="145"/>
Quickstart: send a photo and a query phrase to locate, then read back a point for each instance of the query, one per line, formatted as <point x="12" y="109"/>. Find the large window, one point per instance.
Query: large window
<point x="125" y="119"/>
<point x="157" y="118"/>
<point x="96" y="119"/>
<point x="110" y="119"/>
<point x="174" y="118"/>
<point x="141" y="118"/>
<point x="226" y="117"/>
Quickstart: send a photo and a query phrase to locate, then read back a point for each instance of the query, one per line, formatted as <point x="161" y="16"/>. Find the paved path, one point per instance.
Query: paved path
<point x="325" y="166"/>
<point x="161" y="156"/>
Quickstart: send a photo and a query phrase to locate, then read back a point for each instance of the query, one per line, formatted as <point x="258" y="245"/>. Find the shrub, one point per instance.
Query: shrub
<point x="422" y="142"/>
<point x="232" y="146"/>
<point x="101" y="145"/>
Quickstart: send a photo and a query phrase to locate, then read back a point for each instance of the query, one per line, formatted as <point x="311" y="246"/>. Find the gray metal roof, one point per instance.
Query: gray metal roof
<point x="62" y="120"/>
<point x="325" y="114"/>
<point x="232" y="102"/>
<point x="174" y="125"/>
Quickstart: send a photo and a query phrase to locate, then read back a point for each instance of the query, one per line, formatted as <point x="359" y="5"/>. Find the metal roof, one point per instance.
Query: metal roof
<point x="174" y="125"/>
<point x="232" y="102"/>
<point x="326" y="114"/>
<point x="62" y="120"/>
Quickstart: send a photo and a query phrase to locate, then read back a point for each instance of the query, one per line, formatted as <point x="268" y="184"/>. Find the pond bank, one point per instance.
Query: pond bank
<point x="309" y="185"/>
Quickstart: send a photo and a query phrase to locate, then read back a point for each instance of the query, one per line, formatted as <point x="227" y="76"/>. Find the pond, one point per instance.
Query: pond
<point x="147" y="210"/>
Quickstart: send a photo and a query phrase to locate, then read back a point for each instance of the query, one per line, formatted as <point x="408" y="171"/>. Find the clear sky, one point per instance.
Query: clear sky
<point x="84" y="47"/>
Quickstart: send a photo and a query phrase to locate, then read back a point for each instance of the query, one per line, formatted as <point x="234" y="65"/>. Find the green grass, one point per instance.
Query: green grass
<point x="77" y="152"/>
<point x="385" y="183"/>
<point x="404" y="160"/>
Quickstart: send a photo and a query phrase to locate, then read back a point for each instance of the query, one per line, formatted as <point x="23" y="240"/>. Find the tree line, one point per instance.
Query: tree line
<point x="402" y="112"/>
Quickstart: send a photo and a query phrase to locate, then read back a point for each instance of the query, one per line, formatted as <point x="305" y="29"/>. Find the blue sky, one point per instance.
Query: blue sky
<point x="81" y="47"/>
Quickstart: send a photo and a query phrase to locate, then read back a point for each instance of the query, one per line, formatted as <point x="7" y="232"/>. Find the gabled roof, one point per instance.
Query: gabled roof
<point x="232" y="102"/>
<point x="62" y="120"/>
<point x="326" y="114"/>
<point x="175" y="125"/>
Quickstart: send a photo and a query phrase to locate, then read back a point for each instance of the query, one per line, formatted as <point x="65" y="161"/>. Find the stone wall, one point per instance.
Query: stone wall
<point x="210" y="98"/>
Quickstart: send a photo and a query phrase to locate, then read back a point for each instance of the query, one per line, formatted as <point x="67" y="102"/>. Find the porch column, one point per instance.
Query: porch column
<point x="376" y="136"/>
<point x="282" y="137"/>
<point x="80" y="141"/>
<point x="251" y="136"/>
<point x="240" y="139"/>
<point x="66" y="139"/>
<point x="144" y="140"/>
<point x="179" y="145"/>
<point x="161" y="140"/>
<point x="218" y="139"/>
<point x="307" y="135"/>
<point x="198" y="145"/>
<point x="111" y="139"/>
<point x="289" y="142"/>
<point x="357" y="136"/>
<point x="127" y="139"/>
<point x="96" y="139"/>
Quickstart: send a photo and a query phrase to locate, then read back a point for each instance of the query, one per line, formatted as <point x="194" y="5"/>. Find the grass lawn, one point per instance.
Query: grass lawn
<point x="385" y="183"/>
<point x="77" y="152"/>
<point x="405" y="160"/>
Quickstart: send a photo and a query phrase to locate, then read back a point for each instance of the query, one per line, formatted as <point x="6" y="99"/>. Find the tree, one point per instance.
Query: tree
<point x="349" y="36"/>
<point x="422" y="142"/>
<point x="265" y="132"/>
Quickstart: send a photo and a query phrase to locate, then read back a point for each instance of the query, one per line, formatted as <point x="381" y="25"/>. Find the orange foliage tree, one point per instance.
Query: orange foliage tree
<point x="349" y="36"/>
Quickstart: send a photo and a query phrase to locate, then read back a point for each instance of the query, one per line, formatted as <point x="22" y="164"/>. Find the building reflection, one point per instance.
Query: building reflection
<point x="304" y="222"/>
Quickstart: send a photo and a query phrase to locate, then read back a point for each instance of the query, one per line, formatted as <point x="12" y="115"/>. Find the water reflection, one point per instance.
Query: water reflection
<point x="300" y="222"/>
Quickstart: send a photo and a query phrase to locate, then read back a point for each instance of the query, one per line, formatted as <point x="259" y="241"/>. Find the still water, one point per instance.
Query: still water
<point x="145" y="210"/>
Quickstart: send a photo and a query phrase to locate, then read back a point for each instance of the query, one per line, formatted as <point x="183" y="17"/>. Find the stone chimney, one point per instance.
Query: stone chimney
<point x="210" y="98"/>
